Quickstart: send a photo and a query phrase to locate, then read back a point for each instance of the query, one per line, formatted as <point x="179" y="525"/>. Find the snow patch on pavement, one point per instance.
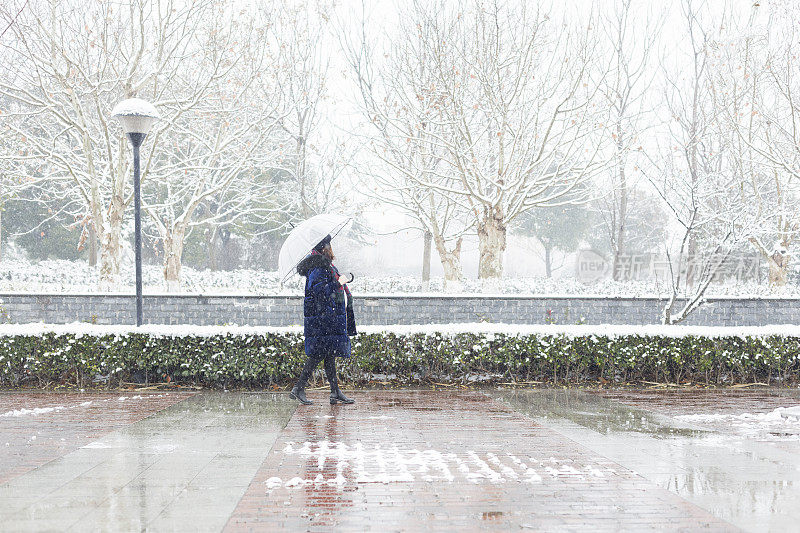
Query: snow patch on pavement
<point x="34" y="411"/>
<point x="164" y="448"/>
<point x="782" y="423"/>
<point x="43" y="410"/>
<point x="389" y="464"/>
<point x="273" y="483"/>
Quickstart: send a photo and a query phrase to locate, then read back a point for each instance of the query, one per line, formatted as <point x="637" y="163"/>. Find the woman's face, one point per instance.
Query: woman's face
<point x="328" y="251"/>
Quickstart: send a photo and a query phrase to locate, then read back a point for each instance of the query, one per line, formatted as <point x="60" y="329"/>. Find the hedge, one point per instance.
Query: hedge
<point x="82" y="354"/>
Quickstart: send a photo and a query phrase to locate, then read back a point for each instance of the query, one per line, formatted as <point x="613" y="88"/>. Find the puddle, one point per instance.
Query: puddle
<point x="741" y="466"/>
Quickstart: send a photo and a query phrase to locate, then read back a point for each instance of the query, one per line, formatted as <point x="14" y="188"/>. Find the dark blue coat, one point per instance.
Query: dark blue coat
<point x="325" y="309"/>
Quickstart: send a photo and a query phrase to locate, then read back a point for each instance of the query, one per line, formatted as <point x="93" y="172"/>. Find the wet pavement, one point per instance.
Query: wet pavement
<point x="184" y="467"/>
<point x="728" y="452"/>
<point x="547" y="460"/>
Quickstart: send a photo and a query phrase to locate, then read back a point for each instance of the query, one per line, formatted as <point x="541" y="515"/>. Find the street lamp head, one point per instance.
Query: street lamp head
<point x="136" y="116"/>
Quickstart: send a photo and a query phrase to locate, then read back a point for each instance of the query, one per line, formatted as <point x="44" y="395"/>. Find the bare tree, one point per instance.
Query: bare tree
<point x="299" y="35"/>
<point x="220" y="151"/>
<point x="696" y="181"/>
<point x="76" y="63"/>
<point x="625" y="85"/>
<point x="202" y="64"/>
<point x="403" y="101"/>
<point x="9" y="14"/>
<point x="758" y="63"/>
<point x="16" y="168"/>
<point x="306" y="170"/>
<point x="520" y="113"/>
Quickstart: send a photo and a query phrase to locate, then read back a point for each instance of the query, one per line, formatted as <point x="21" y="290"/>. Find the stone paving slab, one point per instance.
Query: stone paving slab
<point x="414" y="460"/>
<point x="36" y="428"/>
<point x="698" y="401"/>
<point x="549" y="460"/>
<point x="182" y="468"/>
<point x="739" y="460"/>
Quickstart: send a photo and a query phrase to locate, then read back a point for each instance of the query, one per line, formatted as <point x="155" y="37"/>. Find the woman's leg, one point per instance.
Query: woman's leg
<point x="298" y="392"/>
<point x="330" y="373"/>
<point x="330" y="370"/>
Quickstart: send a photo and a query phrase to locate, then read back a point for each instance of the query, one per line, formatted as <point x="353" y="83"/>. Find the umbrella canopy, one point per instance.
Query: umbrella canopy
<point x="304" y="237"/>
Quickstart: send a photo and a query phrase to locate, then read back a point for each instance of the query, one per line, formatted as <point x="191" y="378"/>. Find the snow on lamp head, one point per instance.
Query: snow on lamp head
<point x="136" y="117"/>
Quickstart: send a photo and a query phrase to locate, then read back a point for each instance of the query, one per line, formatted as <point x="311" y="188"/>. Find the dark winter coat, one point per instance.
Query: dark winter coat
<point x="327" y="309"/>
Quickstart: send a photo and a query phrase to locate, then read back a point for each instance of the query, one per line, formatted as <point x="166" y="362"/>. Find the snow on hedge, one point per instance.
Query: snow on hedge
<point x="465" y="353"/>
<point x="448" y="330"/>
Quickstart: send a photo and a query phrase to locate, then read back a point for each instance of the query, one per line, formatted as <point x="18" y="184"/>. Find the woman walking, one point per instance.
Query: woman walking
<point x="328" y="319"/>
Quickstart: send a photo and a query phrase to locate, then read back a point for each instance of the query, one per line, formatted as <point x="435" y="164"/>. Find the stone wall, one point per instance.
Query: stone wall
<point x="382" y="309"/>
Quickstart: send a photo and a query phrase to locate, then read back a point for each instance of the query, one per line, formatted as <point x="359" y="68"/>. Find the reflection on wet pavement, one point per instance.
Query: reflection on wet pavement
<point x="185" y="467"/>
<point x="548" y="460"/>
<point x="717" y="449"/>
<point x="403" y="460"/>
<point x="38" y="427"/>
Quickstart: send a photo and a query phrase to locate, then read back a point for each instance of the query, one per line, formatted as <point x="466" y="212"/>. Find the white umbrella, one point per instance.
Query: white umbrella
<point x="304" y="237"/>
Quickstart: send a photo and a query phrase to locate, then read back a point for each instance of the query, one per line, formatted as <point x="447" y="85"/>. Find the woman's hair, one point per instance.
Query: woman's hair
<point x="323" y="243"/>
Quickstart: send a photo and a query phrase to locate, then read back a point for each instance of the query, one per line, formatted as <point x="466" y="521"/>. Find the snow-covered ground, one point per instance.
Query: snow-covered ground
<point x="59" y="276"/>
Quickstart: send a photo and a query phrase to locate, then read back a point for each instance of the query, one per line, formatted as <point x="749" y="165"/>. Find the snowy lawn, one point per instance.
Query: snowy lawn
<point x="59" y="276"/>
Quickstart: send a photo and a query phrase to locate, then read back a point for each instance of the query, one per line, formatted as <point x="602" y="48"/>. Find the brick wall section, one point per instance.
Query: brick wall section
<point x="285" y="311"/>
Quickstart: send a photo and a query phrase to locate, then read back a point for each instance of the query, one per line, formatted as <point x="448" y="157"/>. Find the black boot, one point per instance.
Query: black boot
<point x="330" y="373"/>
<point x="299" y="390"/>
<point x="337" y="396"/>
<point x="299" y="393"/>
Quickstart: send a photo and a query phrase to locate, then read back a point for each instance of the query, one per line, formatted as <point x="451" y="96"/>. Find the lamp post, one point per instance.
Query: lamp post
<point x="136" y="117"/>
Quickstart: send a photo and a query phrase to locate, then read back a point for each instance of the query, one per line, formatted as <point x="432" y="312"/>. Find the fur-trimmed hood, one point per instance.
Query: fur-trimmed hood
<point x="311" y="262"/>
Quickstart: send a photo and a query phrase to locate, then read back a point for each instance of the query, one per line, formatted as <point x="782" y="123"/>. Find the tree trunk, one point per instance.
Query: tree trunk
<point x="109" y="260"/>
<point x="211" y="246"/>
<point x="778" y="262"/>
<point x="691" y="261"/>
<point x="451" y="259"/>
<point x="300" y="171"/>
<point x="173" y="250"/>
<point x="548" y="266"/>
<point x="491" y="244"/>
<point x="622" y="186"/>
<point x="426" y="259"/>
<point x="451" y="262"/>
<point x="92" y="245"/>
<point x="109" y="233"/>
<point x="778" y="269"/>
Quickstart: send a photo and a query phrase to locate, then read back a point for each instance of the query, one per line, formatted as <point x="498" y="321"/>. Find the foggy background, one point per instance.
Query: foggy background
<point x="648" y="134"/>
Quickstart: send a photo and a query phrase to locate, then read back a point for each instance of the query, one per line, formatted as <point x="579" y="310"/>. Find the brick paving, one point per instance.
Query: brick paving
<point x="36" y="428"/>
<point x="414" y="460"/>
